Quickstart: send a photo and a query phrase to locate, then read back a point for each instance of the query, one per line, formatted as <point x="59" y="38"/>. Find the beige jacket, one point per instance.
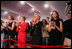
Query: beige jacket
<point x="45" y="31"/>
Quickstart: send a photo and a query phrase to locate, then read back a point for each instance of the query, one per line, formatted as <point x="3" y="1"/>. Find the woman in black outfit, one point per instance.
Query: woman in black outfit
<point x="55" y="30"/>
<point x="11" y="28"/>
<point x="36" y="31"/>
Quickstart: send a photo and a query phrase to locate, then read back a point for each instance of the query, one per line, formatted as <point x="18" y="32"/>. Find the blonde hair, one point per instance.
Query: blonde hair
<point x="37" y="15"/>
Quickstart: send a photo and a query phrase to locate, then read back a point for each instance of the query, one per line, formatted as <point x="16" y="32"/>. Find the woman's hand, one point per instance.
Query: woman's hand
<point x="13" y="25"/>
<point x="18" y="20"/>
<point x="53" y="24"/>
<point x="7" y="29"/>
<point x="8" y="26"/>
<point x="17" y="24"/>
<point x="50" y="28"/>
<point x="19" y="27"/>
<point x="33" y="21"/>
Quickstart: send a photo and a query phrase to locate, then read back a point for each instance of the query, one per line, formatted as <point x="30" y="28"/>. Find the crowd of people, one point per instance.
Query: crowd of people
<point x="45" y="32"/>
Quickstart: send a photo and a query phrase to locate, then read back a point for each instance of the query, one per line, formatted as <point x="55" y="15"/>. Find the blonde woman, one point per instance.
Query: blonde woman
<point x="37" y="34"/>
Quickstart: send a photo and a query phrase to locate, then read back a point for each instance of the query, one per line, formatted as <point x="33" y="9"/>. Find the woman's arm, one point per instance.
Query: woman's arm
<point x="49" y="28"/>
<point x="61" y="26"/>
<point x="13" y="25"/>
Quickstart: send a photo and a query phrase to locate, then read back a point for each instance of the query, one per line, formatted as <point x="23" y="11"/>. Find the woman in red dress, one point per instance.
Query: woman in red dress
<point x="22" y="33"/>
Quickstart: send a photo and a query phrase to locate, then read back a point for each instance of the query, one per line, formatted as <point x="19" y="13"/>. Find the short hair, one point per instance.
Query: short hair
<point x="47" y="17"/>
<point x="24" y="17"/>
<point x="37" y="15"/>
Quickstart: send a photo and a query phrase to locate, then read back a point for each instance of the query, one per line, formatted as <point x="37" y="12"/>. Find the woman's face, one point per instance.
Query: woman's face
<point x="21" y="19"/>
<point x="69" y="16"/>
<point x="9" y="17"/>
<point x="47" y="19"/>
<point x="43" y="21"/>
<point x="54" y="15"/>
<point x="36" y="17"/>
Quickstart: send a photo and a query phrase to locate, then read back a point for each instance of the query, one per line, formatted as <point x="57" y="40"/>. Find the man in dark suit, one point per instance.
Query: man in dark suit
<point x="67" y="29"/>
